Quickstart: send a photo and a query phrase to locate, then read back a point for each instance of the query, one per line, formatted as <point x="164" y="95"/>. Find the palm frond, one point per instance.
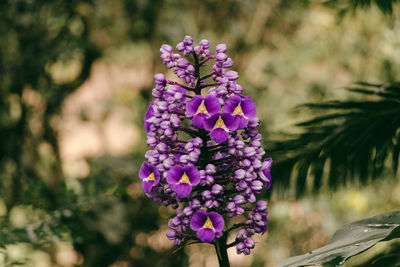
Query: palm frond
<point x="350" y="141"/>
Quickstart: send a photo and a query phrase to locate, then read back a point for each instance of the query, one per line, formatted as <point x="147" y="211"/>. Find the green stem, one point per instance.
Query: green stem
<point x="198" y="88"/>
<point x="221" y="249"/>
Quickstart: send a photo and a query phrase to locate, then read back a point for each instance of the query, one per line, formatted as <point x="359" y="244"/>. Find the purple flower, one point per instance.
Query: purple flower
<point x="231" y="75"/>
<point x="239" y="200"/>
<point x="202" y="49"/>
<point x="249" y="243"/>
<point x="184" y="70"/>
<point x="261" y="205"/>
<point x="221" y="57"/>
<point x="217" y="189"/>
<point x="240" y="174"/>
<point x="182" y="128"/>
<point x="186" y="46"/>
<point x="171" y="234"/>
<point x="202" y="108"/>
<point x="167" y="55"/>
<point x="219" y="126"/>
<point x="165" y="49"/>
<point x="243" y="109"/>
<point x="227" y="63"/>
<point x="207" y="225"/>
<point x="265" y="174"/>
<point x="221" y="48"/>
<point x="159" y="79"/>
<point x="183" y="179"/>
<point x="222" y="60"/>
<point x="150" y="176"/>
<point x="149" y="115"/>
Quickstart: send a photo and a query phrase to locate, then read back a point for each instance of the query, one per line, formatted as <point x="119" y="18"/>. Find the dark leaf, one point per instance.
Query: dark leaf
<point x="349" y="240"/>
<point x="355" y="137"/>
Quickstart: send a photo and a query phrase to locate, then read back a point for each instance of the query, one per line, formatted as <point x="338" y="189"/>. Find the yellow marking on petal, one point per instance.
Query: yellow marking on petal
<point x="220" y="123"/>
<point x="151" y="177"/>
<point x="202" y="108"/>
<point x="208" y="224"/>
<point x="184" y="179"/>
<point x="238" y="111"/>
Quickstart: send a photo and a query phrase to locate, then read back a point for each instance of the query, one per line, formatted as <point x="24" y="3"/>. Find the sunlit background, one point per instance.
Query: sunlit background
<point x="75" y="82"/>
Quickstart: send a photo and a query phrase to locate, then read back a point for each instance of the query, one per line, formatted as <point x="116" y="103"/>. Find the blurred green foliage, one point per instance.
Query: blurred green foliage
<point x="287" y="53"/>
<point x="354" y="138"/>
<point x="344" y="6"/>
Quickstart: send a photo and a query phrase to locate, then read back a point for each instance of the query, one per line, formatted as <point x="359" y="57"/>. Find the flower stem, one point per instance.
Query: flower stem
<point x="221" y="249"/>
<point x="198" y="88"/>
<point x="180" y="85"/>
<point x="208" y="85"/>
<point x="207" y="76"/>
<point x="205" y="60"/>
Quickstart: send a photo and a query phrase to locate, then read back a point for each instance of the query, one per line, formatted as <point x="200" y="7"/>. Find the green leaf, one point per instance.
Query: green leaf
<point x="345" y="141"/>
<point x="351" y="239"/>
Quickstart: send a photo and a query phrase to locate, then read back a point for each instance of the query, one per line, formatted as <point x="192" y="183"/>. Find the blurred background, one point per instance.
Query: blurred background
<point x="75" y="82"/>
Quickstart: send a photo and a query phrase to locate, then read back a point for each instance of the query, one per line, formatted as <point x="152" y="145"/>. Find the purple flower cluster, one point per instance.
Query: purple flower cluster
<point x="206" y="159"/>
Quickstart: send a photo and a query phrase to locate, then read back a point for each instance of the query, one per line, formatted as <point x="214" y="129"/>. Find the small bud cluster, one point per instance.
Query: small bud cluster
<point x="206" y="159"/>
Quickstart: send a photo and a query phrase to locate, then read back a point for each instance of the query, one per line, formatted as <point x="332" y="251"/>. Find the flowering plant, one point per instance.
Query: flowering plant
<point x="206" y="159"/>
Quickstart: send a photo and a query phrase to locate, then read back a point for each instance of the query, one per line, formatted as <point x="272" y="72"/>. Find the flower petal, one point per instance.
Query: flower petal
<point x="212" y="104"/>
<point x="198" y="120"/>
<point x="230" y="121"/>
<point x="193" y="105"/>
<point x="231" y="103"/>
<point x="217" y="221"/>
<point x="210" y="122"/>
<point x="268" y="184"/>
<point x="206" y="235"/>
<point x="182" y="90"/>
<point x="242" y="122"/>
<point x="145" y="170"/>
<point x="174" y="174"/>
<point x="156" y="176"/>
<point x="147" y="185"/>
<point x="249" y="108"/>
<point x="149" y="114"/>
<point x="166" y="48"/>
<point x="198" y="219"/>
<point x="182" y="190"/>
<point x="219" y="135"/>
<point x="267" y="173"/>
<point x="147" y="126"/>
<point x="193" y="174"/>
